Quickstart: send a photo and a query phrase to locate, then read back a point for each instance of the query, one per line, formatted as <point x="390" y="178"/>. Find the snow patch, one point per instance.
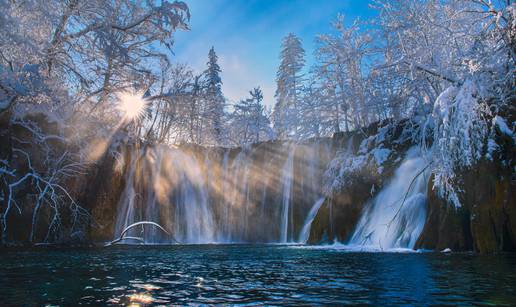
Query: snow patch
<point x="502" y="125"/>
<point x="381" y="155"/>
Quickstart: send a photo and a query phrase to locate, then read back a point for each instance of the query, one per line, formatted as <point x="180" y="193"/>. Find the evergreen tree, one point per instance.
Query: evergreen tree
<point x="289" y="85"/>
<point x="214" y="99"/>
<point x="251" y="123"/>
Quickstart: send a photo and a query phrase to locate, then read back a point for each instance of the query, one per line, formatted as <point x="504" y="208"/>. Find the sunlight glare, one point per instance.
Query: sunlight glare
<point x="141" y="298"/>
<point x="131" y="104"/>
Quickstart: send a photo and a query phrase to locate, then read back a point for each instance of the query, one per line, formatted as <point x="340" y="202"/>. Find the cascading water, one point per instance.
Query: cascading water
<point x="179" y="182"/>
<point x="247" y="195"/>
<point x="305" y="231"/>
<point x="194" y="219"/>
<point x="223" y="235"/>
<point x="203" y="195"/>
<point x="287" y="179"/>
<point x="396" y="216"/>
<point x="126" y="214"/>
<point x="237" y="199"/>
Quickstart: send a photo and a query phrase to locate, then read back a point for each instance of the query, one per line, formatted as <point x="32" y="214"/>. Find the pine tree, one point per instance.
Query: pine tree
<point x="214" y="104"/>
<point x="259" y="122"/>
<point x="289" y="84"/>
<point x="250" y="122"/>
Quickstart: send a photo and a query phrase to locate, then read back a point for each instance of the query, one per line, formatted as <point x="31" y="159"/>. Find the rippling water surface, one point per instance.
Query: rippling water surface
<point x="250" y="275"/>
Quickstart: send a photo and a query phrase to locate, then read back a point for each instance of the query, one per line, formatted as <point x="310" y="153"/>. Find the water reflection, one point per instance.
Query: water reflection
<point x="240" y="274"/>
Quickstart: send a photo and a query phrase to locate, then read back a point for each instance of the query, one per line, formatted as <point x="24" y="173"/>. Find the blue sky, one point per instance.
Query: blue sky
<point x="247" y="36"/>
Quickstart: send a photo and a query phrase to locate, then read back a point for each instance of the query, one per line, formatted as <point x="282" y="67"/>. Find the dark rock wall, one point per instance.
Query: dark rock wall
<point x="486" y="221"/>
<point x="101" y="193"/>
<point x="252" y="195"/>
<point x="338" y="216"/>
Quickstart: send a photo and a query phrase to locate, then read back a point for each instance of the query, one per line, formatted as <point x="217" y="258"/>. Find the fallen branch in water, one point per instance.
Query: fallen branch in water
<point x="122" y="235"/>
<point x="135" y="238"/>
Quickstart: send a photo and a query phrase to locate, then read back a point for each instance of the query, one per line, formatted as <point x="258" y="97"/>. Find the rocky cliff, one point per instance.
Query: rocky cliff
<point x="247" y="185"/>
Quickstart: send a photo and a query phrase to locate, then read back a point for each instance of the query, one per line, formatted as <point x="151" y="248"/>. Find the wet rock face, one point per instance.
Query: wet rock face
<point x="101" y="193"/>
<point x="485" y="223"/>
<point x="340" y="213"/>
<point x="445" y="226"/>
<point x="25" y="154"/>
<point x="490" y="197"/>
<point x="244" y="190"/>
<point x="338" y="216"/>
<point x="486" y="220"/>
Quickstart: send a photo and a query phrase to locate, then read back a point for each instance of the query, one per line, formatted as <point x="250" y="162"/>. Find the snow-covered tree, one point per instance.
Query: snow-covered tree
<point x="62" y="64"/>
<point x="214" y="99"/>
<point x="340" y="65"/>
<point x="289" y="84"/>
<point x="174" y="107"/>
<point x="311" y="111"/>
<point x="447" y="68"/>
<point x="250" y="123"/>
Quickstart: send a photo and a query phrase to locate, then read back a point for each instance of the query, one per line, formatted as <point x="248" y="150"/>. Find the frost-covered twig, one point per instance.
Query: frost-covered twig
<point x="421" y="172"/>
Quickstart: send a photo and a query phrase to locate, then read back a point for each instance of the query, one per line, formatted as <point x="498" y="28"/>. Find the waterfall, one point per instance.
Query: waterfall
<point x="211" y="195"/>
<point x="125" y="211"/>
<point x="305" y="231"/>
<point x="286" y="178"/>
<point x="396" y="216"/>
<point x="223" y="236"/>
<point x="194" y="220"/>
<point x="199" y="219"/>
<point x="205" y="195"/>
<point x="183" y="185"/>
<point x="237" y="196"/>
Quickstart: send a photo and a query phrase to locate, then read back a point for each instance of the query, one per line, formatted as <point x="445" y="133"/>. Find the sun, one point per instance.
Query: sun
<point x="131" y="104"/>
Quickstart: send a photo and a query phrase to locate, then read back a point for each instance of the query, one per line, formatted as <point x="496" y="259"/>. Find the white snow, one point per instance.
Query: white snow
<point x="459" y="136"/>
<point x="381" y="155"/>
<point x="502" y="125"/>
